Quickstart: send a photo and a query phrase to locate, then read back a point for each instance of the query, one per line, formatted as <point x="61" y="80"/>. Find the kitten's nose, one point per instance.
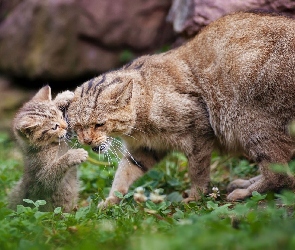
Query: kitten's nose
<point x="87" y="140"/>
<point x="63" y="125"/>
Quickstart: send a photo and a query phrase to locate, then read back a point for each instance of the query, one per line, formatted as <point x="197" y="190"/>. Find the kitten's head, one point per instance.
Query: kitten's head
<point x="39" y="122"/>
<point x="102" y="107"/>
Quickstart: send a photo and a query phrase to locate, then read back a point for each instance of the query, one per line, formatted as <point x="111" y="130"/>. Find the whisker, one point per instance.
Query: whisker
<point x="114" y="153"/>
<point x="109" y="141"/>
<point x="129" y="154"/>
<point x="77" y="144"/>
<point x="136" y="129"/>
<point x="118" y="142"/>
<point x="130" y="136"/>
<point x="99" y="153"/>
<point x="65" y="141"/>
<point x="108" y="157"/>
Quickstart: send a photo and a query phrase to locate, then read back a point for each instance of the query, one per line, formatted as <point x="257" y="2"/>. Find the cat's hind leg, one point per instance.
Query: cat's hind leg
<point x="241" y="183"/>
<point x="269" y="148"/>
<point x="271" y="181"/>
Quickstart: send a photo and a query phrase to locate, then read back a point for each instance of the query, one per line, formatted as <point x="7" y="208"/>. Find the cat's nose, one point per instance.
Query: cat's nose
<point x="87" y="140"/>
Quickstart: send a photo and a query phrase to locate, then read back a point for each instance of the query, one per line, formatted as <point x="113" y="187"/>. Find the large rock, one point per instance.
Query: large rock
<point x="12" y="98"/>
<point x="189" y="16"/>
<point x="64" y="39"/>
<point x="6" y="6"/>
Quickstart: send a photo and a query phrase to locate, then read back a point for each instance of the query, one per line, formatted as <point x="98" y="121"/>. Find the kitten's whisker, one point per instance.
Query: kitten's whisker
<point x="99" y="153"/>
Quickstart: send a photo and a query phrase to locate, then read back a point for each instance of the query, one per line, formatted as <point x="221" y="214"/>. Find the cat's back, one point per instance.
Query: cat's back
<point x="244" y="28"/>
<point x="245" y="59"/>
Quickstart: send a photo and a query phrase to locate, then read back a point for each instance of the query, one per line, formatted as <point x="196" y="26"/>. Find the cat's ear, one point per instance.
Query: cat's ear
<point x="43" y="94"/>
<point x="123" y="93"/>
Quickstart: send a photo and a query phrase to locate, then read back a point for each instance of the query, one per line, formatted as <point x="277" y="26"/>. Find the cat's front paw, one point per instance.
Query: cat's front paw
<point x="190" y="196"/>
<point x="189" y="199"/>
<point x="62" y="100"/>
<point x="110" y="201"/>
<point x="77" y="156"/>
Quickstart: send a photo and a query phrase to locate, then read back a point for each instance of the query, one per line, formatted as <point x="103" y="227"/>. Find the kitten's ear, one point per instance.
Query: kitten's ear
<point x="43" y="94"/>
<point x="26" y="125"/>
<point x="123" y="93"/>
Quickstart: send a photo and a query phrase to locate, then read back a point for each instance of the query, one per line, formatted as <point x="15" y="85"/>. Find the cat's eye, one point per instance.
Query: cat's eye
<point x="97" y="125"/>
<point x="55" y="127"/>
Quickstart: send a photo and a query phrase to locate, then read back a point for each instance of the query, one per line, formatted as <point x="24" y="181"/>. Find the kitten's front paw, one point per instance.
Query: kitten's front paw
<point x="77" y="156"/>
<point x="112" y="200"/>
<point x="63" y="99"/>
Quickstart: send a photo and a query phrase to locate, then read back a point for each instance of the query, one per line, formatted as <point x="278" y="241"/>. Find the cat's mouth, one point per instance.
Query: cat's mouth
<point x="102" y="148"/>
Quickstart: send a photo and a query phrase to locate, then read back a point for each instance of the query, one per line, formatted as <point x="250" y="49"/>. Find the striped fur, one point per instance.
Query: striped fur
<point x="50" y="171"/>
<point x="232" y="88"/>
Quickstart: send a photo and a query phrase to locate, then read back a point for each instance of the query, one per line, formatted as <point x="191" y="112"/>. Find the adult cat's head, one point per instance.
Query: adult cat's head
<point x="39" y="122"/>
<point x="103" y="107"/>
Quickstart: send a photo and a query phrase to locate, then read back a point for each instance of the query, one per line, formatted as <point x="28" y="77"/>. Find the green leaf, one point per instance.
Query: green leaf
<point x="29" y="201"/>
<point x="57" y="210"/>
<point x="178" y="214"/>
<point x="129" y="195"/>
<point x="257" y="196"/>
<point x="211" y="205"/>
<point x="40" y="215"/>
<point x="40" y="202"/>
<point x="151" y="205"/>
<point x="155" y="174"/>
<point x="22" y="209"/>
<point x="118" y="194"/>
<point x="174" y="197"/>
<point x="163" y="205"/>
<point x="279" y="168"/>
<point x="287" y="197"/>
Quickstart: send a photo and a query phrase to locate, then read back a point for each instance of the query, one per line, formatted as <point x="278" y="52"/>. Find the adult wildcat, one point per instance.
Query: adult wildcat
<point x="50" y="171"/>
<point x="231" y="87"/>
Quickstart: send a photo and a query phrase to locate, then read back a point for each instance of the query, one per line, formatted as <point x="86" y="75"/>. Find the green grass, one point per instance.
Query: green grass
<point x="261" y="222"/>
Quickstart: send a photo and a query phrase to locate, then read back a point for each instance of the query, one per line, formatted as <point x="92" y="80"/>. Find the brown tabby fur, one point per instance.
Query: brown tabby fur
<point x="50" y="171"/>
<point x="232" y="87"/>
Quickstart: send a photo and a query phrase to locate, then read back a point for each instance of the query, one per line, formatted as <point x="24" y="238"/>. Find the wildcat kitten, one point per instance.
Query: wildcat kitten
<point x="50" y="171"/>
<point x="232" y="87"/>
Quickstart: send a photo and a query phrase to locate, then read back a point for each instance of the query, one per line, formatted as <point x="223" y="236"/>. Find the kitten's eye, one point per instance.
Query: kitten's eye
<point x="97" y="125"/>
<point x="56" y="126"/>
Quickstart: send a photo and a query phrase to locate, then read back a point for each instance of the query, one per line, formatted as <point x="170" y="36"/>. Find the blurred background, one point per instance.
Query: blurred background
<point x="65" y="42"/>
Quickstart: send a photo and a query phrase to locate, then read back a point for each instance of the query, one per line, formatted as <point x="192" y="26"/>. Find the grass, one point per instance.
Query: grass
<point x="261" y="222"/>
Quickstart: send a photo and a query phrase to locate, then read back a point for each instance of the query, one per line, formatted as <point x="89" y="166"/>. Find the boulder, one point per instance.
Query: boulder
<point x="65" y="39"/>
<point x="190" y="16"/>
